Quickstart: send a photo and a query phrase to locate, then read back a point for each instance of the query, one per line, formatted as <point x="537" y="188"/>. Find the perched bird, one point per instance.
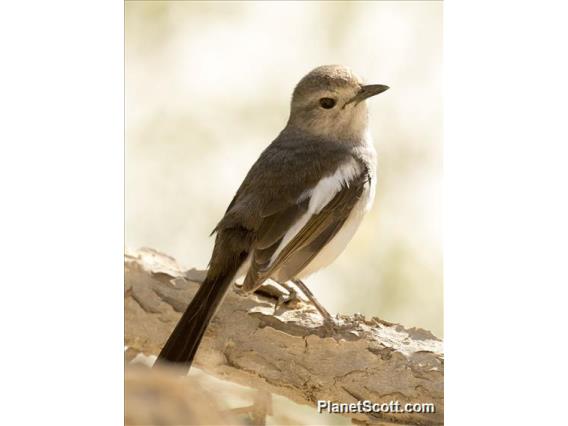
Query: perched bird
<point x="298" y="206"/>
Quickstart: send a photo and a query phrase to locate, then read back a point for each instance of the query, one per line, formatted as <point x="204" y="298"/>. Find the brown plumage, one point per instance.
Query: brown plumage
<point x="315" y="180"/>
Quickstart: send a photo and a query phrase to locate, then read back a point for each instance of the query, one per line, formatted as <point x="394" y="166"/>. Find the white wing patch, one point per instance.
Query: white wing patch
<point x="319" y="196"/>
<point x="328" y="187"/>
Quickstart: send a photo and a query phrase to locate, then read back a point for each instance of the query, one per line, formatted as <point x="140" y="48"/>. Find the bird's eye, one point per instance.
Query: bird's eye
<point x="327" y="103"/>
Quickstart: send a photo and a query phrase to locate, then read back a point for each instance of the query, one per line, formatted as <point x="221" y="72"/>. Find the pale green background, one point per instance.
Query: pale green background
<point x="208" y="86"/>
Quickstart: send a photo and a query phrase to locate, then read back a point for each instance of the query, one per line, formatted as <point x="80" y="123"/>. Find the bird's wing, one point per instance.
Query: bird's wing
<point x="275" y="183"/>
<point x="289" y="238"/>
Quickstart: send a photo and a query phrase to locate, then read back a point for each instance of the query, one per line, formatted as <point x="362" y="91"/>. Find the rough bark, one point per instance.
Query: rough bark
<point x="288" y="352"/>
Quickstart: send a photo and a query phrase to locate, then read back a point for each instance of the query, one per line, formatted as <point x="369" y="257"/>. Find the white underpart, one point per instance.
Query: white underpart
<point x="335" y="247"/>
<point x="319" y="196"/>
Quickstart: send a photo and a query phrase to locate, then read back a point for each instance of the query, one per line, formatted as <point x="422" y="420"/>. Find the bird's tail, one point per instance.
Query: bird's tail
<point x="184" y="340"/>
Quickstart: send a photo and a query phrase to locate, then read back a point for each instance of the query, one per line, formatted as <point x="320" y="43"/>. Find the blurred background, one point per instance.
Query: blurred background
<point x="208" y="86"/>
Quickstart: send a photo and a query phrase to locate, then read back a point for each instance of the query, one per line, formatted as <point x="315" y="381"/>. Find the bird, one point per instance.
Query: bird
<point x="298" y="206"/>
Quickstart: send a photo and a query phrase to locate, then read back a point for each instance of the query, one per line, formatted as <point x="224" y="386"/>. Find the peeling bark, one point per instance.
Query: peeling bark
<point x="288" y="352"/>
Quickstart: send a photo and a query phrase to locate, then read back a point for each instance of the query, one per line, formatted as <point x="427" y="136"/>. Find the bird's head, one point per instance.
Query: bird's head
<point x="330" y="102"/>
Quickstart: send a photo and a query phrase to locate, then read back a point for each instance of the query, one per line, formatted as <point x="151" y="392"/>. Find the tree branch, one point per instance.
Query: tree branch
<point x="287" y="351"/>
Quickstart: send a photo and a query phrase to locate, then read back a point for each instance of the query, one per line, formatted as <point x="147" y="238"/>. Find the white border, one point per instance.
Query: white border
<point x="61" y="172"/>
<point x="505" y="211"/>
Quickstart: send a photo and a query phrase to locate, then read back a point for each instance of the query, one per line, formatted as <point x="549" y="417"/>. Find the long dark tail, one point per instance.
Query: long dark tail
<point x="186" y="337"/>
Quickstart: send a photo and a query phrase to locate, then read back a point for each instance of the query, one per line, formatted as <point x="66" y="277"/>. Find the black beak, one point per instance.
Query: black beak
<point x="366" y="92"/>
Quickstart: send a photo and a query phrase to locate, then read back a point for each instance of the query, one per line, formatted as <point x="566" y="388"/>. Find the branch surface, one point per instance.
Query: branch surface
<point x="287" y="352"/>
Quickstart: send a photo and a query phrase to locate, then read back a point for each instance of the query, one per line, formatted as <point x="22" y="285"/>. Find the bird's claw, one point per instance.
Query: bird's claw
<point x="285" y="299"/>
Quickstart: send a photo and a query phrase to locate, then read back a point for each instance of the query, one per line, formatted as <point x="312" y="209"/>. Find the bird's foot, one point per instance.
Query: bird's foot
<point x="286" y="299"/>
<point x="330" y="326"/>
